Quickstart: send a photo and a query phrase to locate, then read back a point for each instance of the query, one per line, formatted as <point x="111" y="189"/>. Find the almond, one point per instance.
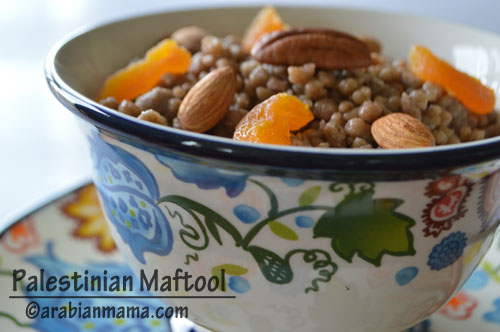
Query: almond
<point x="208" y="100"/>
<point x="190" y="37"/>
<point x="328" y="49"/>
<point x="401" y="131"/>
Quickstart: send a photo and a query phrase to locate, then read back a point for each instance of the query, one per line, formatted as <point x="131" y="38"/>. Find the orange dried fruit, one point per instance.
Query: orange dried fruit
<point x="267" y="20"/>
<point x="142" y="75"/>
<point x="271" y="130"/>
<point x="475" y="96"/>
<point x="272" y="120"/>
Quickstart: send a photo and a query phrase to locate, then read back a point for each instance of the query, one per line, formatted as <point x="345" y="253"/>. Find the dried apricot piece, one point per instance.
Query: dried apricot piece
<point x="274" y="130"/>
<point x="142" y="75"/>
<point x="272" y="120"/>
<point x="267" y="20"/>
<point x="469" y="90"/>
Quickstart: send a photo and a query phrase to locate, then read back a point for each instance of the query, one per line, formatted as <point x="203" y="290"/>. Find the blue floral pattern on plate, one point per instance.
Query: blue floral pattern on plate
<point x="53" y="266"/>
<point x="130" y="192"/>
<point x="494" y="316"/>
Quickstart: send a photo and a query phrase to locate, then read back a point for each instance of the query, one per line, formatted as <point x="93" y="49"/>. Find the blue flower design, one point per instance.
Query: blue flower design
<point x="189" y="169"/>
<point x="447" y="251"/>
<point x="129" y="193"/>
<point x="246" y="213"/>
<point x="238" y="284"/>
<point x="292" y="182"/>
<point x="54" y="266"/>
<point x="478" y="281"/>
<point x="406" y="275"/>
<point x="493" y="316"/>
<point x="205" y="177"/>
<point x="304" y="221"/>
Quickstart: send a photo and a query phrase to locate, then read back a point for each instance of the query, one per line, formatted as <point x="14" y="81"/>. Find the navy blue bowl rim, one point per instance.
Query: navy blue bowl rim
<point x="386" y="163"/>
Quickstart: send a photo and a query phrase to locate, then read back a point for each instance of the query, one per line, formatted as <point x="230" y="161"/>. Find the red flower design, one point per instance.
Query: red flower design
<point x="442" y="186"/>
<point x="460" y="307"/>
<point x="20" y="237"/>
<point x="448" y="204"/>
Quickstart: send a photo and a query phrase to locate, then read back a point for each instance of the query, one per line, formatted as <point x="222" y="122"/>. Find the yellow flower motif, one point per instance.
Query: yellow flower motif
<point x="88" y="326"/>
<point x="472" y="252"/>
<point x="86" y="210"/>
<point x="118" y="321"/>
<point x="479" y="176"/>
<point x="492" y="271"/>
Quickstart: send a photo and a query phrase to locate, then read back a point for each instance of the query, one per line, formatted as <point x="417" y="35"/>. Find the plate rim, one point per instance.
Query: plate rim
<point x="14" y="217"/>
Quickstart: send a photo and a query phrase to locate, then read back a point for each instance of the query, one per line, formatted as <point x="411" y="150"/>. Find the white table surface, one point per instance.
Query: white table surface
<point x="41" y="150"/>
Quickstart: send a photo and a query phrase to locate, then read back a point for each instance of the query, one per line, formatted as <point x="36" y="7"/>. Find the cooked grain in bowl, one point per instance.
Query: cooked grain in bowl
<point x="344" y="102"/>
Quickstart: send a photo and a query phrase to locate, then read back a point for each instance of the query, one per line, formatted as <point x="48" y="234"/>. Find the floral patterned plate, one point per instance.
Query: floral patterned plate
<point x="70" y="234"/>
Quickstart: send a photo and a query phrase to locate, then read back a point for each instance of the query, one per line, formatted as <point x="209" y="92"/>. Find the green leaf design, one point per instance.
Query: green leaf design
<point x="212" y="228"/>
<point x="14" y="320"/>
<point x="309" y="196"/>
<point x="189" y="233"/>
<point x="493" y="272"/>
<point x="191" y="257"/>
<point x="273" y="200"/>
<point x="283" y="231"/>
<point x="366" y="226"/>
<point x="321" y="263"/>
<point x="212" y="219"/>
<point x="231" y="269"/>
<point x="274" y="268"/>
<point x="218" y="273"/>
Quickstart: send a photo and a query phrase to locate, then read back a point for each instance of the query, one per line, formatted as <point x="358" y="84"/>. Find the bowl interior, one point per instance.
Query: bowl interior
<point x="78" y="65"/>
<point x="84" y="62"/>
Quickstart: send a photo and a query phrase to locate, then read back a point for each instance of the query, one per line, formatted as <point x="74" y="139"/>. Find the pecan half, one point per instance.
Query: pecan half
<point x="328" y="49"/>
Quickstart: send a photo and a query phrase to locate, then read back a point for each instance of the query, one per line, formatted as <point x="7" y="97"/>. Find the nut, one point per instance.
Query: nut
<point x="373" y="44"/>
<point x="328" y="49"/>
<point x="401" y="131"/>
<point x="208" y="100"/>
<point x="189" y="37"/>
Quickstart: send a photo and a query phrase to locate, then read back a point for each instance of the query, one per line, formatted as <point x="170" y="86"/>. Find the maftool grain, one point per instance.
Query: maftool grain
<point x="345" y="103"/>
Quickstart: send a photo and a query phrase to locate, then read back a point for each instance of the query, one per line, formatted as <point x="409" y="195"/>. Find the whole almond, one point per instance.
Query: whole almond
<point x="208" y="100"/>
<point x="401" y="131"/>
<point x="328" y="49"/>
<point x="190" y="37"/>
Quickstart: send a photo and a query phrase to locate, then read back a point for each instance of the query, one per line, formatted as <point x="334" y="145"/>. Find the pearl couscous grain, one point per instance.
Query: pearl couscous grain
<point x="344" y="102"/>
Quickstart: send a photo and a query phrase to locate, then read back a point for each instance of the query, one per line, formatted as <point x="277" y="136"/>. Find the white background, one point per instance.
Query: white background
<point x="41" y="150"/>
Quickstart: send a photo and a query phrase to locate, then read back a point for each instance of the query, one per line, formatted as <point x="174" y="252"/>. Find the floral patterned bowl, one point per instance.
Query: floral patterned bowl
<point x="309" y="239"/>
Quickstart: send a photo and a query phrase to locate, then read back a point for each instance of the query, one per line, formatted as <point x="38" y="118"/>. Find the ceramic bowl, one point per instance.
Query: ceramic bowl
<point x="309" y="239"/>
